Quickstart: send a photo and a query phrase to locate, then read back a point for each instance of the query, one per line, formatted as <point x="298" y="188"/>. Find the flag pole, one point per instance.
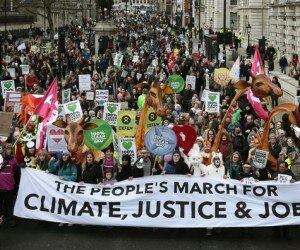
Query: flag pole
<point x="22" y="132"/>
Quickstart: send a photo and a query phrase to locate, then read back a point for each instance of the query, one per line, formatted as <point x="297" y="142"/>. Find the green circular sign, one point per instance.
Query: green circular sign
<point x="98" y="138"/>
<point x="176" y="82"/>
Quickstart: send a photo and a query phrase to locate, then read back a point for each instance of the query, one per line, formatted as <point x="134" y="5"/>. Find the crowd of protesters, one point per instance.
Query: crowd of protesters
<point x="148" y="38"/>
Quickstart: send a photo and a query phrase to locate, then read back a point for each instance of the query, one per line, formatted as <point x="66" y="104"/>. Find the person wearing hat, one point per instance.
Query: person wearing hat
<point x="177" y="165"/>
<point x="293" y="161"/>
<point x="65" y="169"/>
<point x="246" y="172"/>
<point x="8" y="170"/>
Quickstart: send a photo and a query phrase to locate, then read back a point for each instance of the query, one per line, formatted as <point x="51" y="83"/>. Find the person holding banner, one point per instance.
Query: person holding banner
<point x="64" y="168"/>
<point x="177" y="165"/>
<point x="246" y="172"/>
<point x="91" y="172"/>
<point x="8" y="170"/>
<point x="124" y="170"/>
<point x="42" y="160"/>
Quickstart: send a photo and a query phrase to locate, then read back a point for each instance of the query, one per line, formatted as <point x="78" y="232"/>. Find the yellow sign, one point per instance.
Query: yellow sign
<point x="222" y="76"/>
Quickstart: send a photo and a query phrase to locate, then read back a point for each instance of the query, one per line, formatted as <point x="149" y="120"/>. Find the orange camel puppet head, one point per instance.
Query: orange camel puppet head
<point x="154" y="99"/>
<point x="74" y="137"/>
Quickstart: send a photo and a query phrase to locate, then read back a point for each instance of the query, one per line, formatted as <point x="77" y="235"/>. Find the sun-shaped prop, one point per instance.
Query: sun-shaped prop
<point x="222" y="76"/>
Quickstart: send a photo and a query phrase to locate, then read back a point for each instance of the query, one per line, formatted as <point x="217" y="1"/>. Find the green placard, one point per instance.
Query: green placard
<point x="176" y="82"/>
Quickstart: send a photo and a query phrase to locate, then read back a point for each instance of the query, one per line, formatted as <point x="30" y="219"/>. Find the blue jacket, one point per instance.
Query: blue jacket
<point x="69" y="173"/>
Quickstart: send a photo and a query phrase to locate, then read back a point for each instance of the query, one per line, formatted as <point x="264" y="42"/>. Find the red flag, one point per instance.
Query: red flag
<point x="48" y="109"/>
<point x="49" y="103"/>
<point x="257" y="68"/>
<point x="257" y="62"/>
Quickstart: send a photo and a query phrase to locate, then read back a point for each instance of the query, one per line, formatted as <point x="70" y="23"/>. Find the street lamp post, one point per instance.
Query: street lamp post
<point x="224" y="34"/>
<point x="248" y="28"/>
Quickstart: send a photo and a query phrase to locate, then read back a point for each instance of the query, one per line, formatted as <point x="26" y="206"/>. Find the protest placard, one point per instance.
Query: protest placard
<point x="66" y="95"/>
<point x="12" y="72"/>
<point x="90" y="95"/>
<point x="118" y="60"/>
<point x="101" y="96"/>
<point x="55" y="139"/>
<point x="110" y="113"/>
<point x="84" y="82"/>
<point x="7" y="86"/>
<point x="13" y="102"/>
<point x="74" y="110"/>
<point x="127" y="147"/>
<point x="260" y="158"/>
<point x="5" y="124"/>
<point x="24" y="69"/>
<point x="126" y="123"/>
<point x="212" y="102"/>
<point x="190" y="80"/>
<point x="284" y="179"/>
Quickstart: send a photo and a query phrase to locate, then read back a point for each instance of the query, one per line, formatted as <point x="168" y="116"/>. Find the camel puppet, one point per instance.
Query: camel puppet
<point x="261" y="86"/>
<point x="75" y="139"/>
<point x="154" y="99"/>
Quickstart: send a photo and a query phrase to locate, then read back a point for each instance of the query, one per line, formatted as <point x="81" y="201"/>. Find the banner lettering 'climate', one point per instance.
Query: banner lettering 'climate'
<point x="158" y="201"/>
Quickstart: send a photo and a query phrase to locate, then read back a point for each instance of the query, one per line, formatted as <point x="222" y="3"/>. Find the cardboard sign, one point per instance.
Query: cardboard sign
<point x="74" y="110"/>
<point x="66" y="95"/>
<point x="12" y="102"/>
<point x="212" y="102"/>
<point x="84" y="82"/>
<point x="7" y="59"/>
<point x="22" y="46"/>
<point x="12" y="72"/>
<point x="124" y="73"/>
<point x="127" y="147"/>
<point x="24" y="69"/>
<point x="152" y="119"/>
<point x="135" y="59"/>
<point x="248" y="181"/>
<point x="118" y="60"/>
<point x="55" y="139"/>
<point x="284" y="179"/>
<point x="61" y="113"/>
<point x="101" y="96"/>
<point x="90" y="95"/>
<point x="110" y="113"/>
<point x="126" y="123"/>
<point x="150" y="70"/>
<point x="190" y="80"/>
<point x="5" y="124"/>
<point x="48" y="47"/>
<point x="7" y="86"/>
<point x="260" y="158"/>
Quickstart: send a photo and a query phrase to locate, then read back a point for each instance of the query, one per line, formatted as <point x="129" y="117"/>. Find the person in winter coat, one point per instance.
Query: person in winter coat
<point x="177" y="165"/>
<point x="8" y="168"/>
<point x="91" y="172"/>
<point x="65" y="169"/>
<point x="124" y="170"/>
<point x="42" y="160"/>
<point x="246" y="172"/>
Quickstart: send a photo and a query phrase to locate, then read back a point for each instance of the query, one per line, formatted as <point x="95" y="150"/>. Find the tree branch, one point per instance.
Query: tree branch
<point x="21" y="5"/>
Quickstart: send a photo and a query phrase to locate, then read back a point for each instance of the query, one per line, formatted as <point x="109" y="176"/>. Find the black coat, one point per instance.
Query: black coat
<point x="92" y="174"/>
<point x="125" y="173"/>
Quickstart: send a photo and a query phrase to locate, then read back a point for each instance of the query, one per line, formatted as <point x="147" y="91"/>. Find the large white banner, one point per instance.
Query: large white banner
<point x="158" y="201"/>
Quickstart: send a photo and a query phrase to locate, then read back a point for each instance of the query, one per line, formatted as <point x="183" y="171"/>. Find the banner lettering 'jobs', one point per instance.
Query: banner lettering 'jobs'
<point x="158" y="201"/>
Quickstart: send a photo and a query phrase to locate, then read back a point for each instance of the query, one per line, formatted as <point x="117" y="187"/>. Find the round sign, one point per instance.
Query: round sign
<point x="176" y="82"/>
<point x="160" y="140"/>
<point x="222" y="76"/>
<point x="98" y="138"/>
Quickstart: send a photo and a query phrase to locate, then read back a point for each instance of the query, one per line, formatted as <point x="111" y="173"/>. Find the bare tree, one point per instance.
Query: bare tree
<point x="33" y="6"/>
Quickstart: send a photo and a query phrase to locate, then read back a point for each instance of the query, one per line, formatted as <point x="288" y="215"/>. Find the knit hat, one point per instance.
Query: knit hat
<point x="290" y="149"/>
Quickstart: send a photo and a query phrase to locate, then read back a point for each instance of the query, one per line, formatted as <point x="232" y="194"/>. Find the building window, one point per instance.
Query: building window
<point x="233" y="2"/>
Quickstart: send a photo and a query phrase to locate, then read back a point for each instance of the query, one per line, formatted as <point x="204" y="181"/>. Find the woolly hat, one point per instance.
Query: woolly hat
<point x="290" y="149"/>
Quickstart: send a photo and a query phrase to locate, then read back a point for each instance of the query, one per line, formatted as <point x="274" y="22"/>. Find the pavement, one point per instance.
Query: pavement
<point x="30" y="234"/>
